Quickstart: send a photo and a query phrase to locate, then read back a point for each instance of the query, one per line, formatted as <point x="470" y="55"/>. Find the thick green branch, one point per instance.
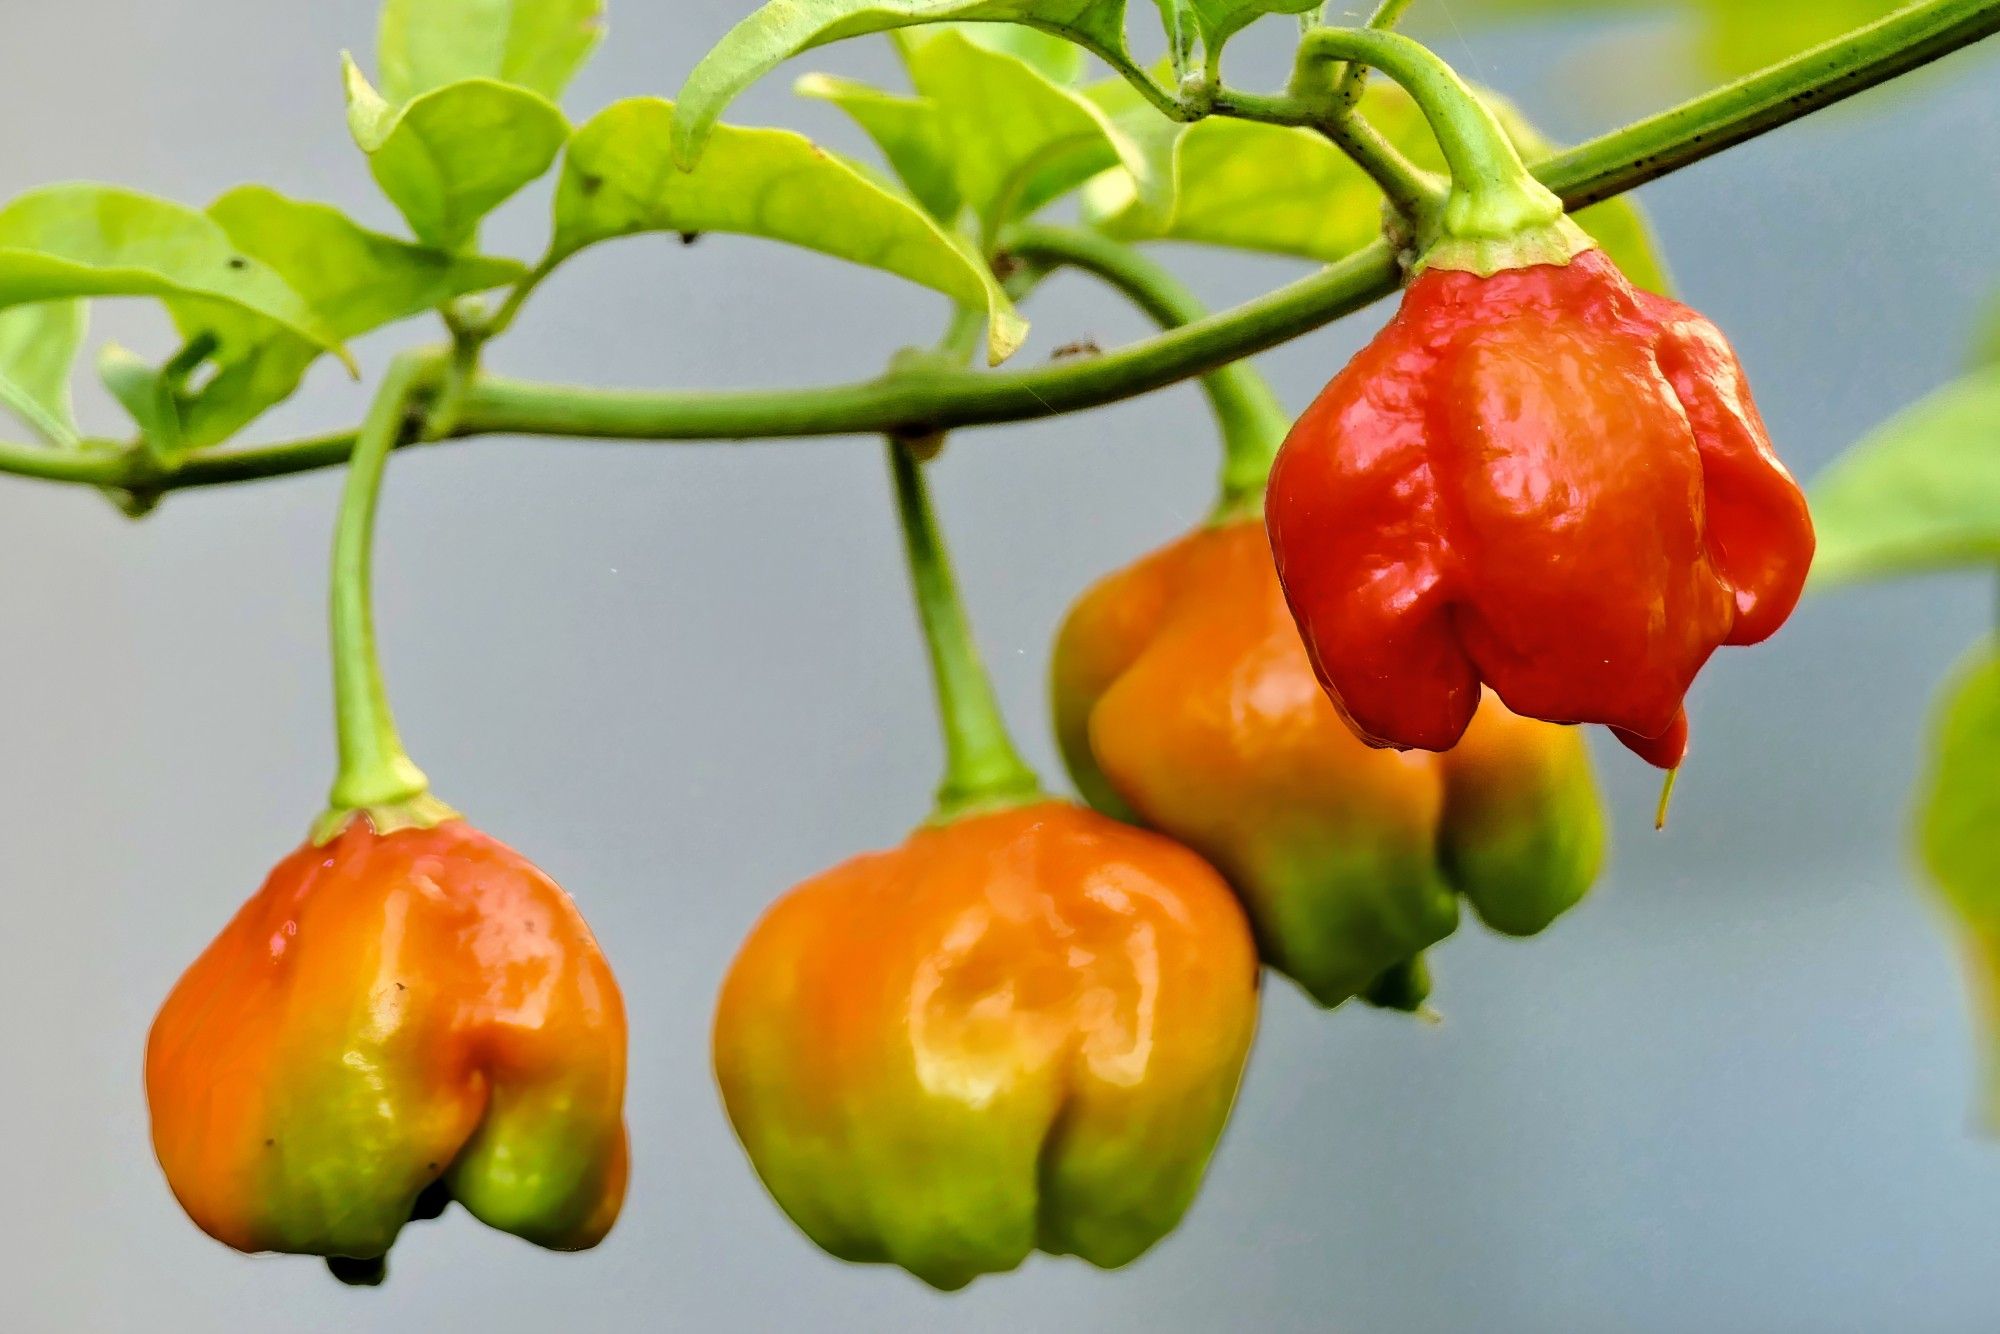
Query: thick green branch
<point x="917" y="403"/>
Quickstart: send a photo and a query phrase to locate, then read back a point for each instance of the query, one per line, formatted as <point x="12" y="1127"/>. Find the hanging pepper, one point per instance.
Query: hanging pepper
<point x="1022" y="1029"/>
<point x="1536" y="478"/>
<point x="407" y="1013"/>
<point x="1184" y="701"/>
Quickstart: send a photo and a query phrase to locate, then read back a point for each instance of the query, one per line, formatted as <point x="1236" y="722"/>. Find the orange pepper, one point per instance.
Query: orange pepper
<point x="1185" y="701"/>
<point x="394" y="1021"/>
<point x="1022" y="1030"/>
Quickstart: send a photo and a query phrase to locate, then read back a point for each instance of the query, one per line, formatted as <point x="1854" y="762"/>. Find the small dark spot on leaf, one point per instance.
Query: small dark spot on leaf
<point x="238" y="262"/>
<point x="590" y="185"/>
<point x="689" y="238"/>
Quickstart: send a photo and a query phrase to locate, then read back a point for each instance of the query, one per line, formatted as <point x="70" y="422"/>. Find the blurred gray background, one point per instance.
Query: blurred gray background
<point x="1731" y="1094"/>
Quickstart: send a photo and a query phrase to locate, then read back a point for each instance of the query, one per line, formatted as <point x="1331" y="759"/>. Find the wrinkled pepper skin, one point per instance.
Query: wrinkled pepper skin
<point x="1023" y="1030"/>
<point x="1546" y="481"/>
<point x="390" y="1017"/>
<point x="1185" y="701"/>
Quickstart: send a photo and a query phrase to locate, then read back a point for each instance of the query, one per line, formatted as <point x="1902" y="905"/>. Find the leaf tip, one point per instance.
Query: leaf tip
<point x="1005" y="333"/>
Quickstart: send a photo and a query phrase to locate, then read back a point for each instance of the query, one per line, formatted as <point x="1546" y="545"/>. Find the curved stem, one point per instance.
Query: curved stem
<point x="1587" y="174"/>
<point x="982" y="770"/>
<point x="1354" y="79"/>
<point x="1493" y="195"/>
<point x="376" y="775"/>
<point x="1252" y="420"/>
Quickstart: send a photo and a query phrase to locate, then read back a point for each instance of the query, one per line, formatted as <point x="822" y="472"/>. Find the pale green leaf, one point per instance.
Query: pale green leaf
<point x="97" y="240"/>
<point x="144" y="391"/>
<point x="908" y="130"/>
<point x="537" y="44"/>
<point x="356" y="279"/>
<point x="38" y="346"/>
<point x="1057" y="59"/>
<point x="1986" y="335"/>
<point x="1019" y="141"/>
<point x="784" y="28"/>
<point x="620" y="178"/>
<point x="1922" y="492"/>
<point x="456" y="153"/>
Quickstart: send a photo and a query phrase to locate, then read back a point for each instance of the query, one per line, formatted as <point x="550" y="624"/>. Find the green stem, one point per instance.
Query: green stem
<point x="1252" y="420"/>
<point x="1493" y="195"/>
<point x="1587" y="174"/>
<point x="376" y="775"/>
<point x="982" y="770"/>
<point x="1354" y="79"/>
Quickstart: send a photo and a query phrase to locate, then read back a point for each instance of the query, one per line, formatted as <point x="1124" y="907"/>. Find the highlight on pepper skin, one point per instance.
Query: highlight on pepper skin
<point x="1184" y="701"/>
<point x="1020" y="1031"/>
<point x="1545" y="481"/>
<point x="393" y="1022"/>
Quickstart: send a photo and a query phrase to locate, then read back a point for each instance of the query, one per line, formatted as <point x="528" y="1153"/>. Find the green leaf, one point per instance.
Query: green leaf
<point x="1922" y="492"/>
<point x="144" y="391"/>
<point x="356" y="279"/>
<point x="1292" y="192"/>
<point x="1958" y="834"/>
<point x="1019" y="141"/>
<point x="908" y="130"/>
<point x="456" y="153"/>
<point x="620" y="178"/>
<point x="1056" y="59"/>
<point x="784" y="28"/>
<point x="97" y="240"/>
<point x="38" y="346"/>
<point x="536" y="44"/>
<point x="1986" y="336"/>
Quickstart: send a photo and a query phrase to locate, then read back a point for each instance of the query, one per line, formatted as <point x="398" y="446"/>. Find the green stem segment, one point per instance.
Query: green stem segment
<point x="1252" y="420"/>
<point x="982" y="770"/>
<point x="1497" y="214"/>
<point x="377" y="778"/>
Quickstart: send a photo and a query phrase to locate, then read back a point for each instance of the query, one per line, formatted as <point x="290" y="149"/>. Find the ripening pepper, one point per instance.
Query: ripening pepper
<point x="1184" y="700"/>
<point x="1539" y="479"/>
<point x="394" y="1021"/>
<point x="1019" y="1030"/>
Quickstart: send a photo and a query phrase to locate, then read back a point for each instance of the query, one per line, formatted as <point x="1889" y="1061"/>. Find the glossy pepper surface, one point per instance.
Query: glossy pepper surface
<point x="1184" y="700"/>
<point x="1543" y="480"/>
<point x="1022" y="1030"/>
<point x="393" y="1021"/>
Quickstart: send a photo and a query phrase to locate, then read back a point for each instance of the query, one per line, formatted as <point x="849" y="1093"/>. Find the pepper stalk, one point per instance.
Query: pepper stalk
<point x="1496" y="215"/>
<point x="376" y="777"/>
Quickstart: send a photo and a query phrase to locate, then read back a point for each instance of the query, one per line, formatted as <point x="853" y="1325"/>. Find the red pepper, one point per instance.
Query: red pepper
<point x="1543" y="480"/>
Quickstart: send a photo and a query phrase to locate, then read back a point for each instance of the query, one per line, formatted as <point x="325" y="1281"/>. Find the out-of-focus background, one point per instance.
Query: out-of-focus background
<point x="1730" y="1094"/>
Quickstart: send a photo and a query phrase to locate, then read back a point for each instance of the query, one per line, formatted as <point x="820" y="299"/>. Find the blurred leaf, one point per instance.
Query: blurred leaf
<point x="537" y="44"/>
<point x="1986" y="337"/>
<point x="908" y="130"/>
<point x="1018" y="141"/>
<point x="357" y="280"/>
<point x="1958" y="830"/>
<point x="620" y="179"/>
<point x="1058" y="60"/>
<point x="1728" y="37"/>
<point x="144" y="391"/>
<point x="784" y="28"/>
<point x="1920" y="493"/>
<point x="38" y="347"/>
<point x="1292" y="192"/>
<point x="456" y="153"/>
<point x="97" y="240"/>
